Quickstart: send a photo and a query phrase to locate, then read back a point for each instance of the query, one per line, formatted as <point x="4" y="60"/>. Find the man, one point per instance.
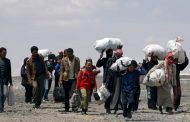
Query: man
<point x="113" y="83"/>
<point x="37" y="72"/>
<point x="151" y="91"/>
<point x="50" y="63"/>
<point x="103" y="61"/>
<point x="177" y="87"/>
<point x="5" y="76"/>
<point x="70" y="67"/>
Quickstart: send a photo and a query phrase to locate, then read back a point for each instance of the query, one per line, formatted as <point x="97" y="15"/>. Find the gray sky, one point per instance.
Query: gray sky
<point x="59" y="24"/>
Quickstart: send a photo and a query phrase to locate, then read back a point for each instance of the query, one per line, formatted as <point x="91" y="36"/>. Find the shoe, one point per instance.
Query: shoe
<point x="129" y="115"/>
<point x="66" y="110"/>
<point x="36" y="106"/>
<point x="160" y="109"/>
<point x="84" y="112"/>
<point x="108" y="111"/>
<point x="46" y="99"/>
<point x="178" y="110"/>
<point x="169" y="110"/>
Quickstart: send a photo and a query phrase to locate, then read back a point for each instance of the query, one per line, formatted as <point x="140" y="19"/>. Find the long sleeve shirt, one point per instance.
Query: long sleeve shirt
<point x="85" y="79"/>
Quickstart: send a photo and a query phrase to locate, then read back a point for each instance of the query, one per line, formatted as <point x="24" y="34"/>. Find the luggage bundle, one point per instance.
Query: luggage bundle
<point x="44" y="52"/>
<point x="107" y="43"/>
<point x="154" y="50"/>
<point x="59" y="94"/>
<point x="75" y="101"/>
<point x="156" y="78"/>
<point x="103" y="93"/>
<point x="121" y="64"/>
<point x="175" y="47"/>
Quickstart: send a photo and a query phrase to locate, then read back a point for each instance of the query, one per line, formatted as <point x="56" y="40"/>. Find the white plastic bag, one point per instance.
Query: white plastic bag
<point x="103" y="93"/>
<point x="44" y="52"/>
<point x="175" y="47"/>
<point x="121" y="63"/>
<point x="154" y="50"/>
<point x="156" y="78"/>
<point x="107" y="43"/>
<point x="11" y="97"/>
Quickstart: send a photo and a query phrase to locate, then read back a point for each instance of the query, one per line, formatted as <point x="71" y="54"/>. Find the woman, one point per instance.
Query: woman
<point x="25" y="83"/>
<point x="85" y="78"/>
<point x="164" y="98"/>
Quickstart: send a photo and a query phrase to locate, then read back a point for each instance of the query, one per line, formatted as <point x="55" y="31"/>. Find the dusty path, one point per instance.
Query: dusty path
<point x="51" y="112"/>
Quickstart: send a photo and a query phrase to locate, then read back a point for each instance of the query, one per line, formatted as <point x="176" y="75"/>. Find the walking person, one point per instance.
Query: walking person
<point x="177" y="87"/>
<point x="37" y="72"/>
<point x="70" y="67"/>
<point x="50" y="63"/>
<point x="113" y="83"/>
<point x="129" y="88"/>
<point x="84" y="84"/>
<point x="164" y="97"/>
<point x="25" y="82"/>
<point x="151" y="91"/>
<point x="5" y="76"/>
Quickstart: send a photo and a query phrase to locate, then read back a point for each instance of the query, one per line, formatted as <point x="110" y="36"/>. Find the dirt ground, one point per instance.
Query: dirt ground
<point x="53" y="112"/>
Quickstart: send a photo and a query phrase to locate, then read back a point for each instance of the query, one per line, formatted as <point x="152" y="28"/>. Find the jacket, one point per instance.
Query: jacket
<point x="85" y="79"/>
<point x="31" y="69"/>
<point x="65" y="68"/>
<point x="130" y="80"/>
<point x="7" y="76"/>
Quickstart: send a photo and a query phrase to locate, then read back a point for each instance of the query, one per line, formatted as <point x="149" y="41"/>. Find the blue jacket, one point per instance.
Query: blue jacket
<point x="130" y="80"/>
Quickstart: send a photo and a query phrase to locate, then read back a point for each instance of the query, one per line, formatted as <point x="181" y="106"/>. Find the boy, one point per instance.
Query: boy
<point x="129" y="87"/>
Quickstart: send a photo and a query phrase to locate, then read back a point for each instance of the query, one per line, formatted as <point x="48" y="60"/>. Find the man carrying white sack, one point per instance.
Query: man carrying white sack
<point x="177" y="87"/>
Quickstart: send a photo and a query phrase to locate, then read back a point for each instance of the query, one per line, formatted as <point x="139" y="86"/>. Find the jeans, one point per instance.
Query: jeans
<point x="127" y="102"/>
<point x="46" y="91"/>
<point x="28" y="93"/>
<point x="152" y="97"/>
<point x="67" y="86"/>
<point x="38" y="90"/>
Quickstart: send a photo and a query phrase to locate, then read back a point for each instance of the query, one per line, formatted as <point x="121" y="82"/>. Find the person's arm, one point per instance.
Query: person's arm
<point x="183" y="65"/>
<point x="9" y="73"/>
<point x="61" y="72"/>
<point x="142" y="71"/>
<point x="23" y="72"/>
<point x="79" y="78"/>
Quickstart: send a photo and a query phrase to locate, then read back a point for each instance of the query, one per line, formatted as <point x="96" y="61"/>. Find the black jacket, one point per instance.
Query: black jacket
<point x="23" y="74"/>
<point x="180" y="67"/>
<point x="7" y="76"/>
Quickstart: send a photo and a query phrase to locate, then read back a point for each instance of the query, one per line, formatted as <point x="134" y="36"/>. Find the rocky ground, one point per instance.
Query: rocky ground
<point x="53" y="112"/>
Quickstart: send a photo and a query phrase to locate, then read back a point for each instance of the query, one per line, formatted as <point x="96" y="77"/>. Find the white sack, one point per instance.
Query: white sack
<point x="107" y="43"/>
<point x="156" y="78"/>
<point x="44" y="52"/>
<point x="103" y="93"/>
<point x="175" y="47"/>
<point x="154" y="50"/>
<point x="121" y="63"/>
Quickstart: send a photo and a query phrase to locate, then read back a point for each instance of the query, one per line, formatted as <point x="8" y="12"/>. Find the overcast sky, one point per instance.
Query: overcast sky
<point x="59" y="24"/>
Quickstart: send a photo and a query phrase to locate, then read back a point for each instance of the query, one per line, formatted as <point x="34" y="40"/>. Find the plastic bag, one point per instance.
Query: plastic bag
<point x="75" y="101"/>
<point x="156" y="78"/>
<point x="59" y="94"/>
<point x="107" y="43"/>
<point x="154" y="50"/>
<point x="103" y="93"/>
<point x="11" y="97"/>
<point x="175" y="47"/>
<point x="121" y="64"/>
<point x="44" y="52"/>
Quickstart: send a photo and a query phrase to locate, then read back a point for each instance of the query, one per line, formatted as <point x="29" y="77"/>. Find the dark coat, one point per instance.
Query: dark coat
<point x="7" y="76"/>
<point x="23" y="74"/>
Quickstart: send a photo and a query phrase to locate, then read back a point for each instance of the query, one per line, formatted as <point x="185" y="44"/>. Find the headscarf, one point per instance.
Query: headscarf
<point x="169" y="61"/>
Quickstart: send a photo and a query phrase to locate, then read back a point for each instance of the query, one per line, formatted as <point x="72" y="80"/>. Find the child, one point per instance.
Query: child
<point x="129" y="88"/>
<point x="85" y="78"/>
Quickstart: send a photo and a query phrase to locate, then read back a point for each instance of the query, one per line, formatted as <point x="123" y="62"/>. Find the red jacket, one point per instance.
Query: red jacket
<point x="85" y="79"/>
